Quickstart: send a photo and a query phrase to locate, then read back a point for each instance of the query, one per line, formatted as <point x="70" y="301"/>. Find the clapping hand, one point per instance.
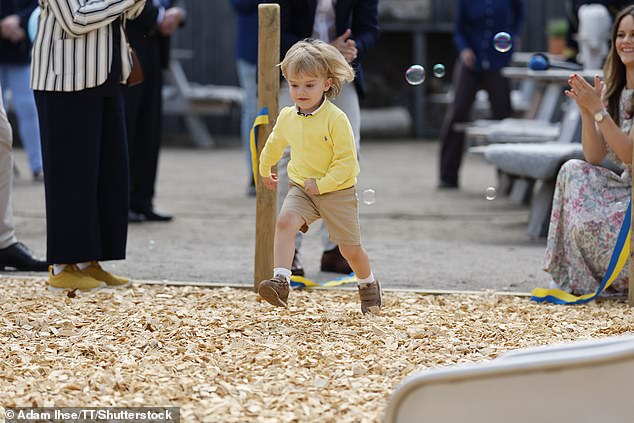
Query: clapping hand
<point x="11" y="30"/>
<point x="174" y="16"/>
<point x="346" y="45"/>
<point x="467" y="56"/>
<point x="587" y="96"/>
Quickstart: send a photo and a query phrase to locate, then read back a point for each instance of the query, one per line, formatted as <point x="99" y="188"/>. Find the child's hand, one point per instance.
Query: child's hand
<point x="310" y="186"/>
<point x="270" y="182"/>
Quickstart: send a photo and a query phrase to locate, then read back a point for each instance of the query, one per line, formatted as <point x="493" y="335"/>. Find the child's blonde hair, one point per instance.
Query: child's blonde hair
<point x="317" y="58"/>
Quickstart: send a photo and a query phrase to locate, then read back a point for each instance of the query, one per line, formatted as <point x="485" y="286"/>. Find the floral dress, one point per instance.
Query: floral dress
<point x="589" y="206"/>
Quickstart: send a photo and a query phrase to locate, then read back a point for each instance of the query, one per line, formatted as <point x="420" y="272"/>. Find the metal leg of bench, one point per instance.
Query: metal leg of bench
<point x="541" y="206"/>
<point x="199" y="132"/>
<point x="505" y="182"/>
<point x="522" y="190"/>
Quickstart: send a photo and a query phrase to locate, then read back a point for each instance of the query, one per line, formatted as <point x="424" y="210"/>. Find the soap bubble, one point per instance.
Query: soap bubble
<point x="502" y="42"/>
<point x="369" y="196"/>
<point x="415" y="75"/>
<point x="490" y="193"/>
<point x="439" y="70"/>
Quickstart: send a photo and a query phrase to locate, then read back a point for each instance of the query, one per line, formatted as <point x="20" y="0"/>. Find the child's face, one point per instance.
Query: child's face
<point x="307" y="91"/>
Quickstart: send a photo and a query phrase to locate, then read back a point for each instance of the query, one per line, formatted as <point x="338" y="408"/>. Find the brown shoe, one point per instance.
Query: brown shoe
<point x="275" y="291"/>
<point x="333" y="261"/>
<point x="297" y="268"/>
<point x="370" y="295"/>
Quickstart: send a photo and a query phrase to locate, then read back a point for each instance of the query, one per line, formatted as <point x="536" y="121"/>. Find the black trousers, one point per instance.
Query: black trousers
<point x="466" y="84"/>
<point x="144" y="111"/>
<point x="85" y="157"/>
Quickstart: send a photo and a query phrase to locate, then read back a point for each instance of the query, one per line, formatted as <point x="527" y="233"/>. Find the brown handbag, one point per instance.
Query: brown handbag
<point x="136" y="73"/>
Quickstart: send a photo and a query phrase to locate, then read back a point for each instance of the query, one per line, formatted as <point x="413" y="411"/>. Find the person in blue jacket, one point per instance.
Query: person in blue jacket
<point x="478" y="67"/>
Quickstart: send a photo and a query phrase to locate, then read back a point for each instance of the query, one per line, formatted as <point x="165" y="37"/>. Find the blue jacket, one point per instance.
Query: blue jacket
<point x="361" y="16"/>
<point x="16" y="52"/>
<point x="247" y="29"/>
<point x="477" y="22"/>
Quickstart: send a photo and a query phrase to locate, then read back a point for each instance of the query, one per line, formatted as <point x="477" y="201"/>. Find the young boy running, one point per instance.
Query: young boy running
<point x="322" y="170"/>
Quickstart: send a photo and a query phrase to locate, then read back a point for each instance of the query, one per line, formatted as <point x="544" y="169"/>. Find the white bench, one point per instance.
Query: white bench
<point x="528" y="163"/>
<point x="581" y="382"/>
<point x="194" y="101"/>
<point x="537" y="126"/>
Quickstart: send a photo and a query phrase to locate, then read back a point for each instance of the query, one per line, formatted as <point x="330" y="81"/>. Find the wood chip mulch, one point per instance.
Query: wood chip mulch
<point x="222" y="354"/>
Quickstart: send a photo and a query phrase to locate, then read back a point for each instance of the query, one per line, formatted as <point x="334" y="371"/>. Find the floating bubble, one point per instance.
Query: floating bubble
<point x="491" y="193"/>
<point x="415" y="75"/>
<point x="502" y="42"/>
<point x="439" y="70"/>
<point x="369" y="196"/>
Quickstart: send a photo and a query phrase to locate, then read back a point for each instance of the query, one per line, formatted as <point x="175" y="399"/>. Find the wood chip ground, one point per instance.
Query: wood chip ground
<point x="222" y="354"/>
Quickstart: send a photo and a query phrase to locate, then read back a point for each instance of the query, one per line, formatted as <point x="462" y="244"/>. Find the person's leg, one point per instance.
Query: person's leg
<point x="247" y="76"/>
<point x="7" y="231"/>
<point x="348" y="102"/>
<point x="275" y="290"/>
<point x="112" y="187"/>
<point x="358" y="259"/>
<point x="24" y="104"/>
<point x="499" y="89"/>
<point x="288" y="224"/>
<point x="465" y="88"/>
<point x="282" y="185"/>
<point x="71" y="130"/>
<point x="145" y="145"/>
<point x="133" y="97"/>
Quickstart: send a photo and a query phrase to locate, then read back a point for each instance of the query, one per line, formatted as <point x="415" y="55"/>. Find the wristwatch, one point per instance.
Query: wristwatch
<point x="599" y="116"/>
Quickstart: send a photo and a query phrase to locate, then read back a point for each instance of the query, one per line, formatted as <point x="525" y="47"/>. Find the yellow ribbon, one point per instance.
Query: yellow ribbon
<point x="261" y="119"/>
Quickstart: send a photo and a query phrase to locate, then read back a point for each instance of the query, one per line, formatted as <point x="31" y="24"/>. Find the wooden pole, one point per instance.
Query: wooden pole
<point x="268" y="92"/>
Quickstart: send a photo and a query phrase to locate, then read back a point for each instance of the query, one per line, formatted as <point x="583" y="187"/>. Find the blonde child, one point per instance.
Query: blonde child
<point x="322" y="169"/>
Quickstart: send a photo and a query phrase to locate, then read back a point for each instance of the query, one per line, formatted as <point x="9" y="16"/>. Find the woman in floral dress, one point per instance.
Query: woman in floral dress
<point x="590" y="201"/>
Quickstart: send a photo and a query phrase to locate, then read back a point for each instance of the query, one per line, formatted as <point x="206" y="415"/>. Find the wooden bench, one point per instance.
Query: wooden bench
<point x="194" y="101"/>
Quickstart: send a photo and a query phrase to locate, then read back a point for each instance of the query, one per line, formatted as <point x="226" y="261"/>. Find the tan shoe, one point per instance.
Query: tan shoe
<point x="72" y="278"/>
<point x="371" y="296"/>
<point x="275" y="291"/>
<point x="96" y="271"/>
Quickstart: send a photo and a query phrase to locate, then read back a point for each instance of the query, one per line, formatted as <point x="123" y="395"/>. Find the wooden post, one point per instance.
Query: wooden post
<point x="268" y="92"/>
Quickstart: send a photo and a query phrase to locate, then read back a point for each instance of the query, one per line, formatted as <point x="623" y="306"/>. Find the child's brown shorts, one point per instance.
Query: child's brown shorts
<point x="338" y="209"/>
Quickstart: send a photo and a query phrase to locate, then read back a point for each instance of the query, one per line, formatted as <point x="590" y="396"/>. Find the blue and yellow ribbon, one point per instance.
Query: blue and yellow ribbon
<point x="302" y="282"/>
<point x="261" y="119"/>
<point x="617" y="261"/>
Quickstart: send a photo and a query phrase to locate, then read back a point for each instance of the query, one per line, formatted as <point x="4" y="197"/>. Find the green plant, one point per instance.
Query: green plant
<point x="557" y="28"/>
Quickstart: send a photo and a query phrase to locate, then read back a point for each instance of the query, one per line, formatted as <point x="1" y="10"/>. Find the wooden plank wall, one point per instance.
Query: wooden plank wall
<point x="210" y="34"/>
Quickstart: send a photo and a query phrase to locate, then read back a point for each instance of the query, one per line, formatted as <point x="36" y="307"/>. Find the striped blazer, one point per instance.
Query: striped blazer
<point x="72" y="50"/>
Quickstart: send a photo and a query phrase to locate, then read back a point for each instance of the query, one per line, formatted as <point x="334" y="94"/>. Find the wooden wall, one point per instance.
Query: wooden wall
<point x="210" y="34"/>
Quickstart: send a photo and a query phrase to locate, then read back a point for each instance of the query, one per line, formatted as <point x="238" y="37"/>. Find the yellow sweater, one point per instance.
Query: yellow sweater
<point x="322" y="147"/>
